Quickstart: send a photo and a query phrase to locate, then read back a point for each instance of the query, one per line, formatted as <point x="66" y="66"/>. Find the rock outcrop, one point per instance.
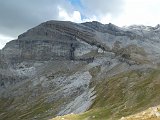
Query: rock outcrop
<point x="53" y="68"/>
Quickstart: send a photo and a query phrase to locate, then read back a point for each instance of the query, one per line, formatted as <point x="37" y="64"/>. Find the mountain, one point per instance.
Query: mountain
<point x="86" y="70"/>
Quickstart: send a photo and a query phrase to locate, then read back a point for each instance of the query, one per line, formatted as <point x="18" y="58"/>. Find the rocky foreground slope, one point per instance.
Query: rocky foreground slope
<point x="90" y="69"/>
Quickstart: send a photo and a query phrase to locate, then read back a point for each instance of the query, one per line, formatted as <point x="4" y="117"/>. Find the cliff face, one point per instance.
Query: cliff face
<point x="55" y="68"/>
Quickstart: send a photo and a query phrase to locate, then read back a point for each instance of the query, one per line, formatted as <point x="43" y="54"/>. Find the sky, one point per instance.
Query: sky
<point x="17" y="16"/>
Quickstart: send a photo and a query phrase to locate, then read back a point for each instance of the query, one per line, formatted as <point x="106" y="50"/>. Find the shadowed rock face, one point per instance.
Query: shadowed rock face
<point x="52" y="69"/>
<point x="53" y="39"/>
<point x="110" y="28"/>
<point x="49" y="40"/>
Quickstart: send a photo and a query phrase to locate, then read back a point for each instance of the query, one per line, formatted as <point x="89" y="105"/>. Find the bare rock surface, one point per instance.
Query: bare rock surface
<point x="50" y="68"/>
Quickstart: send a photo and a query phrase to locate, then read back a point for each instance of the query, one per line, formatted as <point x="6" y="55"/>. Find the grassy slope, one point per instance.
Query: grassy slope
<point x="21" y="108"/>
<point x="122" y="95"/>
<point x="26" y="112"/>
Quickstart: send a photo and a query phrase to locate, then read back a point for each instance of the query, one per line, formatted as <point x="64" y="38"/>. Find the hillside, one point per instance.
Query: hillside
<point x="88" y="71"/>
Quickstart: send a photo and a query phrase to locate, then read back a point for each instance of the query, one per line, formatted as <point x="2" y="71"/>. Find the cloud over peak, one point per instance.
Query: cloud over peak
<point x="17" y="16"/>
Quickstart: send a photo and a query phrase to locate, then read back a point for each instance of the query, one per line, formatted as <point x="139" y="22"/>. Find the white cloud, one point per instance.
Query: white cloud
<point x="119" y="12"/>
<point x="123" y="12"/>
<point x="4" y="40"/>
<point x="17" y="16"/>
<point x="75" y="16"/>
<point x="103" y="7"/>
<point x="144" y="12"/>
<point x="104" y="19"/>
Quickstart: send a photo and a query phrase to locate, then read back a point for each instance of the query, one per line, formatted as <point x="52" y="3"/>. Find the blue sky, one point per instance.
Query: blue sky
<point x="76" y="2"/>
<point x="17" y="16"/>
<point x="78" y="6"/>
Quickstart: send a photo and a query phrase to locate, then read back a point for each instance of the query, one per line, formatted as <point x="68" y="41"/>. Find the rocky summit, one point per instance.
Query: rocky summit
<point x="81" y="71"/>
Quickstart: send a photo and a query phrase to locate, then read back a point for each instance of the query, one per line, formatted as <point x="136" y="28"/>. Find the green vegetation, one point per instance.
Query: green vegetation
<point x="95" y="114"/>
<point x="38" y="109"/>
<point x="122" y="95"/>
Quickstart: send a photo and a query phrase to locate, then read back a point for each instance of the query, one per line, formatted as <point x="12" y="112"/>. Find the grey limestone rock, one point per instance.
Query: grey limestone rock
<point x="52" y="65"/>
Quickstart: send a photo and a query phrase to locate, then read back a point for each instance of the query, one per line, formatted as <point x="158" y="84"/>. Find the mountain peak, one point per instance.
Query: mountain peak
<point x="61" y="67"/>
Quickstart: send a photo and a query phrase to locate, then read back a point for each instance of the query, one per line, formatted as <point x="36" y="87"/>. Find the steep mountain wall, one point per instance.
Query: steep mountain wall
<point x="55" y="68"/>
